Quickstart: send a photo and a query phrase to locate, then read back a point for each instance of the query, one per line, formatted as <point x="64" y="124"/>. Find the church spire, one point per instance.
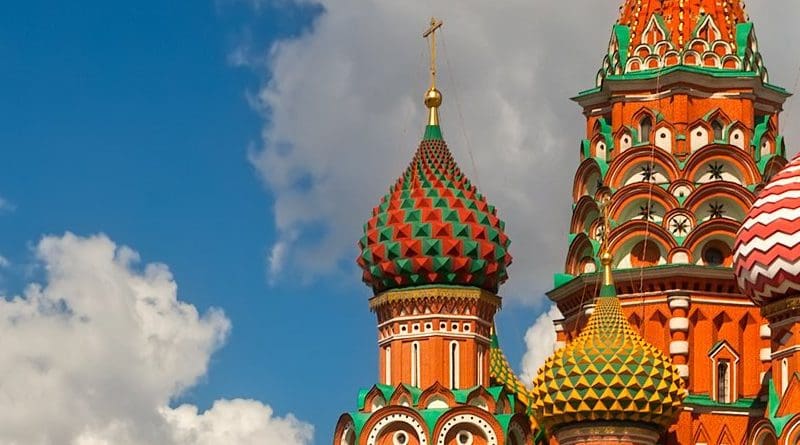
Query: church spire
<point x="433" y="97"/>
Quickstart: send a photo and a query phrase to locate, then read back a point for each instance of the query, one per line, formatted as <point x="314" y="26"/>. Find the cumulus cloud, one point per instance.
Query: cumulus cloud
<point x="540" y="341"/>
<point x="95" y="353"/>
<point x="344" y="114"/>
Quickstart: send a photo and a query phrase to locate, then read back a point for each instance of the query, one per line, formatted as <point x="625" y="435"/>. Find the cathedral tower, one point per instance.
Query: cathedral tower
<point x="434" y="254"/>
<point x="682" y="132"/>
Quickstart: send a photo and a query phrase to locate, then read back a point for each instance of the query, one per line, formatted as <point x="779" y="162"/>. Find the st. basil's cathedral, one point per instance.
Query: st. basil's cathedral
<point x="680" y="292"/>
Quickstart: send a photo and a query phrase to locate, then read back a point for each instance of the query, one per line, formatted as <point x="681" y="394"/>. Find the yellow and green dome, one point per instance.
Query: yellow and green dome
<point x="609" y="373"/>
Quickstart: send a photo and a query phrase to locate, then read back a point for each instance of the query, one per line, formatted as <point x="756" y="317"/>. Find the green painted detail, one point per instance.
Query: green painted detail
<point x="560" y="279"/>
<point x="654" y="73"/>
<point x="680" y="137"/>
<point x="591" y="275"/>
<point x="586" y="148"/>
<point x="774" y="401"/>
<point x="623" y="35"/>
<point x="758" y="133"/>
<point x="432" y="133"/>
<point x="743" y="31"/>
<point x="780" y="146"/>
<point x="606" y="131"/>
<point x="679" y="239"/>
<point x="608" y="291"/>
<point x="705" y="400"/>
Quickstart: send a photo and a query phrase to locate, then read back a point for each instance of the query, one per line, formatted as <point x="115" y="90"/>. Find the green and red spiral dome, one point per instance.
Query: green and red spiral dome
<point x="434" y="228"/>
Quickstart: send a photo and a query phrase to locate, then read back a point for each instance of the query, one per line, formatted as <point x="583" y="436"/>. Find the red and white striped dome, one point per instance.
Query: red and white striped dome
<point x="767" y="250"/>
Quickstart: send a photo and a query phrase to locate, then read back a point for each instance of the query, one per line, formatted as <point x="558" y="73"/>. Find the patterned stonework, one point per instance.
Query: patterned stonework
<point x="434" y="228"/>
<point x="609" y="373"/>
<point x="767" y="250"/>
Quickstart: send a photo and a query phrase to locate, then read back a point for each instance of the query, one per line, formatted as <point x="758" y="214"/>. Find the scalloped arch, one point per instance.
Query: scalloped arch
<point x="628" y="160"/>
<point x="633" y="192"/>
<point x="586" y="171"/>
<point x="385" y="417"/>
<point x="436" y="390"/>
<point x="699" y="159"/>
<point x="583" y="210"/>
<point x="580" y="247"/>
<point x="469" y="415"/>
<point x="725" y="191"/>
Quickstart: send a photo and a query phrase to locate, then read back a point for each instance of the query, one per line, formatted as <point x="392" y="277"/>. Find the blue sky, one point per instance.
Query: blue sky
<point x="129" y="119"/>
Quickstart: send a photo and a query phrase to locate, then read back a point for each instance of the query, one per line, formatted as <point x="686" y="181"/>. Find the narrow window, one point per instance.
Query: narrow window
<point x="784" y="375"/>
<point x="415" y="364"/>
<point x="388" y="365"/>
<point x="724" y="381"/>
<point x="454" y="363"/>
<point x="645" y="127"/>
<point x="717" y="127"/>
<point x="480" y="365"/>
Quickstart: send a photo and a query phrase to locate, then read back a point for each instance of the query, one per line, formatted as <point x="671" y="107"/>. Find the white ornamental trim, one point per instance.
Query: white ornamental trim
<point x="376" y="430"/>
<point x="765" y="354"/>
<point x="679" y="347"/>
<point x="764" y="331"/>
<point x="678" y="302"/>
<point x="680" y="324"/>
<point x="683" y="370"/>
<point x="488" y="431"/>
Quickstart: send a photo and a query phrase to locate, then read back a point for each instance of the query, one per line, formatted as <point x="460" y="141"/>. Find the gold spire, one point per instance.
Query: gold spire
<point x="606" y="257"/>
<point x="433" y="97"/>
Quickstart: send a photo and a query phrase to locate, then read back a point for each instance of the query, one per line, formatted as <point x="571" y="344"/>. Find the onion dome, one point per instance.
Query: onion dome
<point x="502" y="374"/>
<point x="608" y="373"/>
<point x="767" y="249"/>
<point x="434" y="227"/>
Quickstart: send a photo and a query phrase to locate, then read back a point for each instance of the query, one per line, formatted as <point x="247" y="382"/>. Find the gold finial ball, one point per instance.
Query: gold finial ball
<point x="606" y="258"/>
<point x="433" y="98"/>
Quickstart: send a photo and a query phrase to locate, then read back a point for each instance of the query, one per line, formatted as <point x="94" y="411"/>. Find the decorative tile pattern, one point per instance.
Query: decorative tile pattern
<point x="433" y="227"/>
<point x="767" y="249"/>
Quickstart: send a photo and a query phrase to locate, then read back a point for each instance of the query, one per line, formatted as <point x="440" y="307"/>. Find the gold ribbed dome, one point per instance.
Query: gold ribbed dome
<point x="609" y="373"/>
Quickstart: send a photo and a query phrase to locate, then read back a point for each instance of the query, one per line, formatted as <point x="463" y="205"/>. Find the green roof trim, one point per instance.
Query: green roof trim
<point x="560" y="279"/>
<point x="661" y="72"/>
<point x="433" y="133"/>
<point x="779" y="423"/>
<point x="705" y="400"/>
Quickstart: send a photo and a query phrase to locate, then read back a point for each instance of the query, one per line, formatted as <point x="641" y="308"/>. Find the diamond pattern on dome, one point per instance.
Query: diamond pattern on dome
<point x="609" y="373"/>
<point x="433" y="227"/>
<point x="767" y="248"/>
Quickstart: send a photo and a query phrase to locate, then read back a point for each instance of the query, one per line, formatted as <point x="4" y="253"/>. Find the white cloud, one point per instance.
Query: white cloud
<point x="540" y="340"/>
<point x="6" y="205"/>
<point x="4" y="262"/>
<point x="236" y="422"/>
<point x="345" y="114"/>
<point x="95" y="354"/>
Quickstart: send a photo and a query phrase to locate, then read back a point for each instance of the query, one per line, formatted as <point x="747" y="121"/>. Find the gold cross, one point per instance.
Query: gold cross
<point x="431" y="32"/>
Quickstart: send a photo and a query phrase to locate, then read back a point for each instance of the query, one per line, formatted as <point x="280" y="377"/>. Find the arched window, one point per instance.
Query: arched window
<point x="716" y="253"/>
<point x="645" y="128"/>
<point x="724" y="381"/>
<point x="645" y="253"/>
<point x="415" y="364"/>
<point x="717" y="127"/>
<point x="454" y="364"/>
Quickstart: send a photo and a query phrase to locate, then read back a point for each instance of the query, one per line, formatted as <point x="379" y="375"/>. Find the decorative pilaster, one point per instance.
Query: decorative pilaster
<point x="679" y="333"/>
